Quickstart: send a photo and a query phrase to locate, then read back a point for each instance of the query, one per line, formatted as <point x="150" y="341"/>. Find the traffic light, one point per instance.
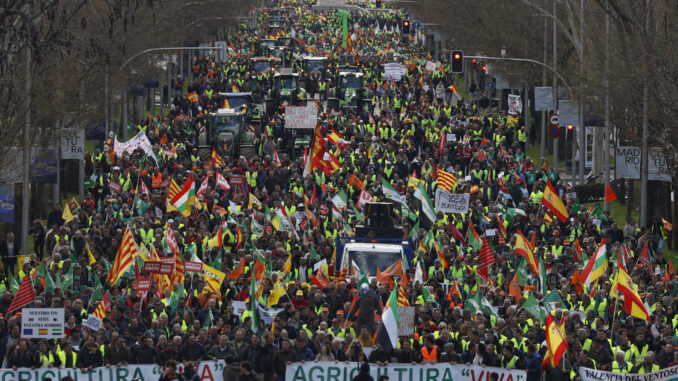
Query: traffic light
<point x="457" y="61"/>
<point x="484" y="69"/>
<point x="570" y="132"/>
<point x="378" y="3"/>
<point x="406" y="26"/>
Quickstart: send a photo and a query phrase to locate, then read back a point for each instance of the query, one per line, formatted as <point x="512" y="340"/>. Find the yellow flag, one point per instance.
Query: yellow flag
<point x="67" y="216"/>
<point x="288" y="264"/>
<point x="277" y="292"/>
<point x="89" y="254"/>
<point x="254" y="201"/>
<point x="213" y="277"/>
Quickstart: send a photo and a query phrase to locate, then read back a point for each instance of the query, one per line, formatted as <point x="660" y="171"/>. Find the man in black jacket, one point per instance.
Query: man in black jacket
<point x="368" y="303"/>
<point x="9" y="250"/>
<point x="22" y="357"/>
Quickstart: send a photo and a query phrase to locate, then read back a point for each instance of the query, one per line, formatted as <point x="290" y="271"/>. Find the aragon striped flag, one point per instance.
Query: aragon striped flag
<point x="127" y="252"/>
<point x="24" y="296"/>
<point x="103" y="306"/>
<point x="446" y="180"/>
<point x="387" y="332"/>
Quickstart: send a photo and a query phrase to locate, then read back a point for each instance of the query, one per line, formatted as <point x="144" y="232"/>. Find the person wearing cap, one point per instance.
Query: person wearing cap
<point x="299" y="300"/>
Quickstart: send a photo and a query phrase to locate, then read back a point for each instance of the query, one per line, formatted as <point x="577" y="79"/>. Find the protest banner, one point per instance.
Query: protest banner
<point x="329" y="370"/>
<point x="588" y="374"/>
<point x="452" y="202"/>
<point x="207" y="370"/>
<point x="301" y="116"/>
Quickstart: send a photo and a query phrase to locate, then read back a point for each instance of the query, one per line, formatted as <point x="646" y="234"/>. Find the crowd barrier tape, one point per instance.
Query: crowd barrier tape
<point x="341" y="371"/>
<point x="667" y="374"/>
<point x="207" y="370"/>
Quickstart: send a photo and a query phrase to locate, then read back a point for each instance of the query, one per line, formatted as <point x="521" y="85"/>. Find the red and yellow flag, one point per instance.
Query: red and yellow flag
<point x="555" y="340"/>
<point x="552" y="202"/>
<point x="524" y="249"/>
<point x="103" y="306"/>
<point x="633" y="304"/>
<point x="124" y="259"/>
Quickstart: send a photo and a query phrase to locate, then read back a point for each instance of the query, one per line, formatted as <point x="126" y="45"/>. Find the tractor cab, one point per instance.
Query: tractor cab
<point x="314" y="70"/>
<point x="262" y="47"/>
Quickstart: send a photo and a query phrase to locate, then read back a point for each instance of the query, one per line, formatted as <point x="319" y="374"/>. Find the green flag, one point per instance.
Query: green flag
<point x="179" y="293"/>
<point x="363" y="280"/>
<point x="426" y="204"/>
<point x="576" y="207"/>
<point x="208" y="319"/>
<point x="542" y="277"/>
<point x="49" y="283"/>
<point x="414" y="231"/>
<point x="96" y="295"/>
<point x="13" y="285"/>
<point x="427" y="296"/>
<point x="532" y="307"/>
<point x="40" y="272"/>
<point x="406" y="212"/>
<point x="473" y="304"/>
<point x="67" y="281"/>
<point x="314" y="256"/>
<point x="358" y="216"/>
<point x="486" y="306"/>
<point x="551" y="299"/>
<point x="511" y="213"/>
<point x="523" y="272"/>
<point x="598" y="214"/>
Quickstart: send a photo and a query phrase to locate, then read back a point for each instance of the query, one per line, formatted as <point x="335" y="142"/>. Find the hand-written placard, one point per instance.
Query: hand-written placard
<point x="405" y="321"/>
<point x="452" y="202"/>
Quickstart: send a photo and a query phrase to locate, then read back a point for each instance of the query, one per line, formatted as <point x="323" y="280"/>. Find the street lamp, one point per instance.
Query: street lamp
<point x="503" y="51"/>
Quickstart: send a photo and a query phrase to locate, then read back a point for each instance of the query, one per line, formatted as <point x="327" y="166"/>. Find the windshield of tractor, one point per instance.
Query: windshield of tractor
<point x="314" y="65"/>
<point x="370" y="261"/>
<point x="223" y="123"/>
<point x="287" y="83"/>
<point x="262" y="65"/>
<point x="351" y="82"/>
<point x="236" y="102"/>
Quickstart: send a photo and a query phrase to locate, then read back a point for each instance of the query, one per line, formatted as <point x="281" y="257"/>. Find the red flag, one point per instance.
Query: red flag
<point x="609" y="194"/>
<point x="222" y="183"/>
<point x="577" y="283"/>
<point x="577" y="250"/>
<point x="457" y="234"/>
<point x="203" y="186"/>
<point x="486" y="259"/>
<point x="514" y="288"/>
<point x="443" y="141"/>
<point x="144" y="188"/>
<point x="644" y="258"/>
<point x="24" y="295"/>
<point x="103" y="307"/>
<point x="237" y="271"/>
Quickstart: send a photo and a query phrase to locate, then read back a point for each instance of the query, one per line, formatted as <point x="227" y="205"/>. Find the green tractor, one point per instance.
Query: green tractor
<point x="262" y="47"/>
<point x="349" y="93"/>
<point x="314" y="70"/>
<point x="285" y="90"/>
<point x="226" y="133"/>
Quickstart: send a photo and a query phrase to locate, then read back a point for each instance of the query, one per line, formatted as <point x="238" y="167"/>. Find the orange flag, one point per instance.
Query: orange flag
<point x="514" y="288"/>
<point x="609" y="194"/>
<point x="577" y="283"/>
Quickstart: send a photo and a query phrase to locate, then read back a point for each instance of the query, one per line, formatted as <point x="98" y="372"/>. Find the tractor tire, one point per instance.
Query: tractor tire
<point x="205" y="154"/>
<point x="270" y="106"/>
<point x="247" y="150"/>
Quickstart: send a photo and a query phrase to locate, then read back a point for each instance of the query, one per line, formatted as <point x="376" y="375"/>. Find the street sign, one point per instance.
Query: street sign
<point x="72" y="143"/>
<point x="554" y="119"/>
<point x="554" y="132"/>
<point x="416" y="25"/>
<point x="490" y="86"/>
<point x="42" y="323"/>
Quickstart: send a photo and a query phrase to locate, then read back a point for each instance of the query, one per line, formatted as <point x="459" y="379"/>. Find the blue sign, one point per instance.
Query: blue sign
<point x="491" y="85"/>
<point x="6" y="205"/>
<point x="416" y="25"/>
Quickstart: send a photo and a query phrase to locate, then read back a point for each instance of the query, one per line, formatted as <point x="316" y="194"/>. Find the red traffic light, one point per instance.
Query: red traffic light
<point x="474" y="60"/>
<point x="484" y="68"/>
<point x="457" y="56"/>
<point x="570" y="127"/>
<point x="406" y="23"/>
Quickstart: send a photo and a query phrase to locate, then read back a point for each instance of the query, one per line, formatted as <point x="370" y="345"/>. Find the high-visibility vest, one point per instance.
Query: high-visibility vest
<point x="655" y="368"/>
<point x="156" y="180"/>
<point x="339" y="334"/>
<point x="522" y="136"/>
<point x="626" y="368"/>
<point x="511" y="363"/>
<point x="627" y="353"/>
<point x="251" y="179"/>
<point x="46" y="359"/>
<point x="62" y="358"/>
<point x="429" y="357"/>
<point x="639" y="355"/>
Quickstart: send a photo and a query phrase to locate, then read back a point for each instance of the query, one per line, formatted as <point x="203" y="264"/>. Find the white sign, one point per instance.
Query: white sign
<point x="627" y="163"/>
<point x="42" y="323"/>
<point x="301" y="116"/>
<point x="405" y="321"/>
<point x="239" y="307"/>
<point x="73" y="143"/>
<point x="330" y="370"/>
<point x="448" y="202"/>
<point x="220" y="51"/>
<point x="451" y="137"/>
<point x="140" y="141"/>
<point x="432" y="66"/>
<point x="207" y="370"/>
<point x="657" y="168"/>
<point x="568" y="112"/>
<point x="666" y="374"/>
<point x="394" y="71"/>
<point x="543" y="98"/>
<point x="515" y="104"/>
<point x="93" y="322"/>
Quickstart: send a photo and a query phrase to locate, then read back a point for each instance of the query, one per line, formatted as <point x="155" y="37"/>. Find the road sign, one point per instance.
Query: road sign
<point x="554" y="119"/>
<point x="491" y="86"/>
<point x="42" y="323"/>
<point x="554" y="132"/>
<point x="416" y="25"/>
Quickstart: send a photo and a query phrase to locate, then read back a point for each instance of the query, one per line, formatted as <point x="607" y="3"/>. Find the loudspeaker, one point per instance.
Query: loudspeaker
<point x="378" y="232"/>
<point x="379" y="214"/>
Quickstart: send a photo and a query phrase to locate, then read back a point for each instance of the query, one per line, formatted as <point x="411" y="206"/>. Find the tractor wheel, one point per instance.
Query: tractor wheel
<point x="247" y="150"/>
<point x="205" y="154"/>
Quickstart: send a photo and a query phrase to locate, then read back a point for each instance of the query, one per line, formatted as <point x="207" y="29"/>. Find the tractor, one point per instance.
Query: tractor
<point x="285" y="89"/>
<point x="262" y="46"/>
<point x="314" y="70"/>
<point x="349" y="93"/>
<point x="226" y="133"/>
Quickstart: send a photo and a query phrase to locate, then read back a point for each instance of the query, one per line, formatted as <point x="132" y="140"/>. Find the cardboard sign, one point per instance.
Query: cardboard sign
<point x="93" y="322"/>
<point x="301" y="116"/>
<point x="42" y="323"/>
<point x="193" y="266"/>
<point x="405" y="321"/>
<point x="156" y="267"/>
<point x="237" y="180"/>
<point x="451" y="202"/>
<point x="143" y="284"/>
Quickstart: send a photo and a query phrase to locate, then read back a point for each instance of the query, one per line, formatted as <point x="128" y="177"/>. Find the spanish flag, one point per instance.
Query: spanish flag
<point x="555" y="340"/>
<point x="524" y="249"/>
<point x="633" y="304"/>
<point x="553" y="203"/>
